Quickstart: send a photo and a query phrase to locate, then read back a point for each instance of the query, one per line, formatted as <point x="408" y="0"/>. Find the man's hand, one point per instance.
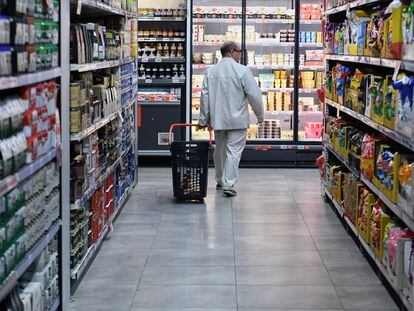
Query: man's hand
<point x="201" y="126"/>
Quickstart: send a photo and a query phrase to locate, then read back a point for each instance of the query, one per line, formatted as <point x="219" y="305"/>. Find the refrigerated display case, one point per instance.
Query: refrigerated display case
<point x="162" y="72"/>
<point x="287" y="64"/>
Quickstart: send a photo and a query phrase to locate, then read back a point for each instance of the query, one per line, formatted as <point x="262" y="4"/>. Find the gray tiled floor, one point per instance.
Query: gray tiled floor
<point x="275" y="247"/>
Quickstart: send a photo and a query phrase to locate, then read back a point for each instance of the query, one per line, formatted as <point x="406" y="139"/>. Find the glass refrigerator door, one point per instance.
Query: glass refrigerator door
<point x="311" y="71"/>
<point x="213" y="24"/>
<point x="270" y="44"/>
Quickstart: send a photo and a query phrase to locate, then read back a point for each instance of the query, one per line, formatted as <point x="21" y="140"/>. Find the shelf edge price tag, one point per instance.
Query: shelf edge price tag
<point x="178" y="18"/>
<point x="148" y="80"/>
<point x="158" y="60"/>
<point x="157" y="18"/>
<point x="144" y="60"/>
<point x="79" y="7"/>
<point x="175" y="80"/>
<point x="152" y="39"/>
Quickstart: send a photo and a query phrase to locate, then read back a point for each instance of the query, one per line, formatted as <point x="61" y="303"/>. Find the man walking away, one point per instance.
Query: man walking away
<point x="228" y="89"/>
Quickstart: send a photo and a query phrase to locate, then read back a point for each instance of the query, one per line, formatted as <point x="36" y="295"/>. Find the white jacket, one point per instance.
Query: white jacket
<point x="228" y="88"/>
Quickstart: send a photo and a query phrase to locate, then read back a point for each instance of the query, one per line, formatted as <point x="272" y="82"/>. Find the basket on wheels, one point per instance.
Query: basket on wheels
<point x="189" y="161"/>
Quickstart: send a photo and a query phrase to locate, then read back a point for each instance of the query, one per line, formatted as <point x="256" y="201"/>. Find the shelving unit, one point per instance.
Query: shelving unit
<point x="163" y="71"/>
<point x="115" y="129"/>
<point x="31" y="79"/>
<point x="368" y="121"/>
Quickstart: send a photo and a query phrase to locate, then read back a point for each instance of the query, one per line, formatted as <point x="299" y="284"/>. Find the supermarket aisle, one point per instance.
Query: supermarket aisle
<point x="276" y="246"/>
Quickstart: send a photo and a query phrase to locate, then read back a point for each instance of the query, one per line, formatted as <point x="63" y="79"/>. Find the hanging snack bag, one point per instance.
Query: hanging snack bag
<point x="367" y="156"/>
<point x="378" y="222"/>
<point x="405" y="111"/>
<point x="405" y="197"/>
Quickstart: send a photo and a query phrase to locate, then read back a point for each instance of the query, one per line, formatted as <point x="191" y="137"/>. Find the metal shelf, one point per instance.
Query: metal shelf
<point x="161" y="40"/>
<point x="99" y="8"/>
<point x="338" y="207"/>
<point x="161" y="60"/>
<point x="160" y="103"/>
<point x="382" y="129"/>
<point x="161" y="19"/>
<point x="88" y="193"/>
<point x="397" y="210"/>
<point x="265" y="67"/>
<point x="31" y="256"/>
<point x="100" y="65"/>
<point x="351" y="5"/>
<point x="290" y="89"/>
<point x="160" y="81"/>
<point x="93" y="128"/>
<point x="78" y="271"/>
<point x="12" y="181"/>
<point x="252" y="21"/>
<point x="371" y="254"/>
<point x="29" y="78"/>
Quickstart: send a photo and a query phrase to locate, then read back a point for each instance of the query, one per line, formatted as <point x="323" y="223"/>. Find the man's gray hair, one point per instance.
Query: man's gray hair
<point x="227" y="47"/>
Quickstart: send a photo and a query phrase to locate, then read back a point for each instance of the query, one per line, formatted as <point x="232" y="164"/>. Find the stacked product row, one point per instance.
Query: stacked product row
<point x="27" y="214"/>
<point x="382" y="31"/>
<point x="308" y="12"/>
<point x="28" y="126"/>
<point x="38" y="288"/>
<point x="379" y="97"/>
<point x="94" y="42"/>
<point x="29" y="37"/>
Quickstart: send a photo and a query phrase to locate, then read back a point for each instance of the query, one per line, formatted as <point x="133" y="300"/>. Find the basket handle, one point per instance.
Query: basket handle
<point x="185" y="125"/>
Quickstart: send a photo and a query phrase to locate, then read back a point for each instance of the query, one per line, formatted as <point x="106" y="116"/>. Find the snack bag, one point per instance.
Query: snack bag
<point x="390" y="106"/>
<point x="367" y="199"/>
<point x="354" y="147"/>
<point x="386" y="170"/>
<point x="376" y="98"/>
<point x="406" y="185"/>
<point x="350" y="201"/>
<point x="367" y="156"/>
<point x="378" y="222"/>
<point x="405" y="111"/>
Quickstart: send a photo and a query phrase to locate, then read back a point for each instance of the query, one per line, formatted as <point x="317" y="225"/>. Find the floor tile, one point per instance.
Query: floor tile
<point x="274" y="242"/>
<point x="185" y="296"/>
<point x="267" y="218"/>
<point x="312" y="297"/>
<point x="278" y="240"/>
<point x="188" y="275"/>
<point x="365" y="297"/>
<point x="332" y="243"/>
<point x="282" y="275"/>
<point x="247" y="229"/>
<point x="278" y="258"/>
<point x="209" y="257"/>
<point x="193" y="242"/>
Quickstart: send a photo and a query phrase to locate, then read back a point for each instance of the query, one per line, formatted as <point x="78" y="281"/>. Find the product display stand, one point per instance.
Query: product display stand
<point x="34" y="145"/>
<point x="282" y="45"/>
<point x="368" y="133"/>
<point x="103" y="124"/>
<point x="163" y="57"/>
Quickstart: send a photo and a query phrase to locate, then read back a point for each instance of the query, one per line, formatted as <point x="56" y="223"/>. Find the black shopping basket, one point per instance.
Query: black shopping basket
<point x="189" y="161"/>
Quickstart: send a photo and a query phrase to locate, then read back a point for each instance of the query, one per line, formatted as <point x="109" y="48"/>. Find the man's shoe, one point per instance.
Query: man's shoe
<point x="219" y="187"/>
<point x="229" y="193"/>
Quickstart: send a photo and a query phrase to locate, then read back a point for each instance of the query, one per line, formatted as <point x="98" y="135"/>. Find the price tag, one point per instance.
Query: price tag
<point x="157" y="18"/>
<point x="152" y="39"/>
<point x="175" y="80"/>
<point x="158" y="60"/>
<point x="177" y="39"/>
<point x="148" y="80"/>
<point x="165" y="39"/>
<point x="301" y="147"/>
<point x="283" y="146"/>
<point x="145" y="60"/>
<point x="178" y="19"/>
